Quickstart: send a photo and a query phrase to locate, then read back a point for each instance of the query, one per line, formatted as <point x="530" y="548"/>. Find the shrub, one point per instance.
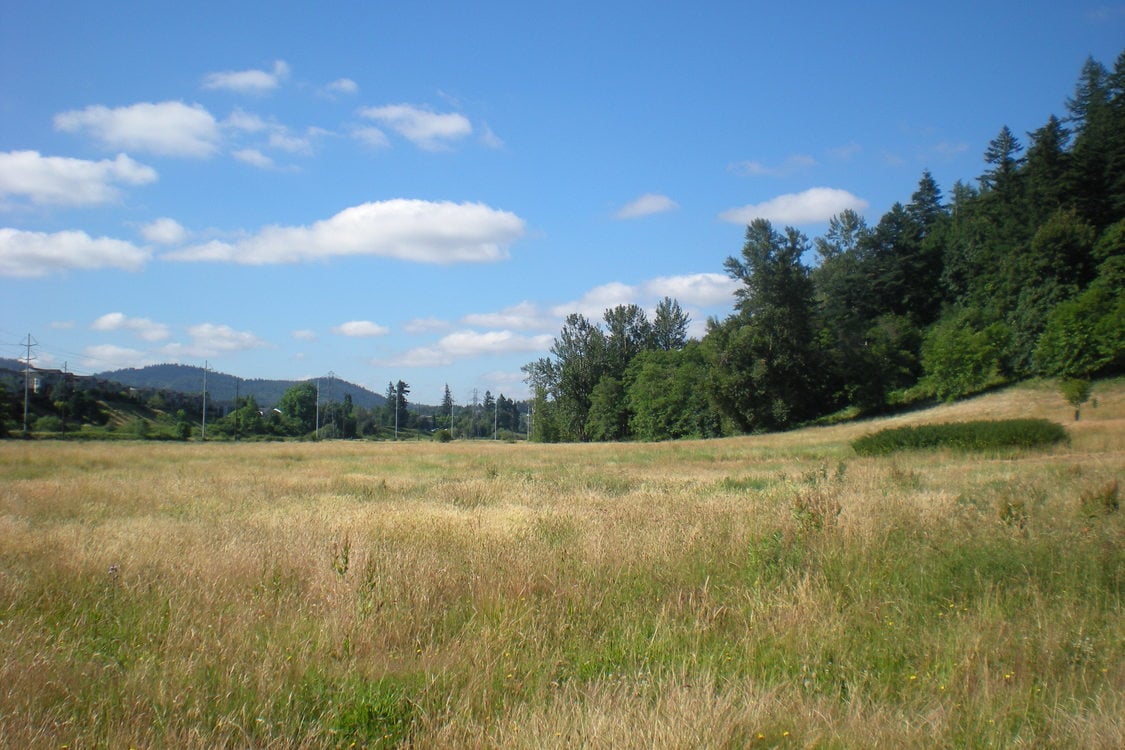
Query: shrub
<point x="442" y="436"/>
<point x="967" y="436"/>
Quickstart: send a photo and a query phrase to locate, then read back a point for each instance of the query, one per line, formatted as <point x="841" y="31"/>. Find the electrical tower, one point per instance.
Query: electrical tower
<point x="27" y="377"/>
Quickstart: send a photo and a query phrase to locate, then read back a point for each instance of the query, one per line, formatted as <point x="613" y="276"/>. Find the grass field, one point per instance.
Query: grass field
<point x="772" y="591"/>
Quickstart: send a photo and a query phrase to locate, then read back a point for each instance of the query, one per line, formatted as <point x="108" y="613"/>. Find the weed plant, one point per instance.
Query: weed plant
<point x="772" y="591"/>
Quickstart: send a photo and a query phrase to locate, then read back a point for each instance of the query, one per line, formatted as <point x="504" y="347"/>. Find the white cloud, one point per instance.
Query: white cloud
<point x="703" y="289"/>
<point x="425" y="325"/>
<point x="342" y="86"/>
<point x="246" y="121"/>
<point x="165" y="128"/>
<point x="211" y="340"/>
<point x="108" y="356"/>
<point x="792" y="165"/>
<point x="422" y="127"/>
<point x="64" y="181"/>
<point x="411" y="230"/>
<point x="646" y="205"/>
<point x="248" y="81"/>
<point x="35" y="254"/>
<point x="466" y="344"/>
<point x="304" y="335"/>
<point x="595" y="302"/>
<point x="489" y="138"/>
<point x="283" y="141"/>
<point x="523" y="316"/>
<point x="361" y="329"/>
<point x="811" y="206"/>
<point x="847" y="152"/>
<point x="164" y="231"/>
<point x="371" y="137"/>
<point x="253" y="157"/>
<point x="141" y="327"/>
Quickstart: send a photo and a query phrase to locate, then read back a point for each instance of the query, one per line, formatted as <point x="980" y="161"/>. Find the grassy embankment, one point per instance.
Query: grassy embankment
<point x="760" y="591"/>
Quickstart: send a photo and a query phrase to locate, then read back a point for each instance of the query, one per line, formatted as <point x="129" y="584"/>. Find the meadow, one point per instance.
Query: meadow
<point x="763" y="591"/>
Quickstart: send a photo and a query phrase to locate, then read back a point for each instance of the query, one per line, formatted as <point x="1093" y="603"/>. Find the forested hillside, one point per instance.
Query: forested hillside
<point x="229" y="388"/>
<point x="1018" y="272"/>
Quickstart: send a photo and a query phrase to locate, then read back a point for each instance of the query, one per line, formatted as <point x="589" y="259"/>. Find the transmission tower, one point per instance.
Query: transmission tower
<point x="27" y="377"/>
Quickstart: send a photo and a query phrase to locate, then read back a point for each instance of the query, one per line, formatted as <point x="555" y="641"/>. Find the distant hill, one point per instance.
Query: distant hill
<point x="223" y="387"/>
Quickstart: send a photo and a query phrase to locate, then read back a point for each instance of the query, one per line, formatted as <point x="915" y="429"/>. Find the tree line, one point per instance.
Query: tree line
<point x="1019" y="274"/>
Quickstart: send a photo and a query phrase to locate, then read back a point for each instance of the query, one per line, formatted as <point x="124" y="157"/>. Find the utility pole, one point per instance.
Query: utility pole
<point x="27" y="378"/>
<point x="496" y="417"/>
<point x="203" y="428"/>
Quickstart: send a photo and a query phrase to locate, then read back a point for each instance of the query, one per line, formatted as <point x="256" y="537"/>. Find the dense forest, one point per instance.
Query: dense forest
<point x="1019" y="274"/>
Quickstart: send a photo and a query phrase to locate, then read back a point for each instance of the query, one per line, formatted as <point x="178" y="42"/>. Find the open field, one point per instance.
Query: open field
<point x="758" y="591"/>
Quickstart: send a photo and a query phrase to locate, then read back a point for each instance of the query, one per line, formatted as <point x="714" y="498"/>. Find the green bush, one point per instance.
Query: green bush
<point x="442" y="436"/>
<point x="967" y="436"/>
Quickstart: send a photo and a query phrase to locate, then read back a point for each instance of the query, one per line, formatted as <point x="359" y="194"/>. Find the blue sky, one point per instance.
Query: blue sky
<point x="422" y="191"/>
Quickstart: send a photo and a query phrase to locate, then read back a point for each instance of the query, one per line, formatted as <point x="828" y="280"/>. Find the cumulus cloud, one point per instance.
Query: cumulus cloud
<point x="36" y="254"/>
<point x="466" y="344"/>
<point x="792" y="165"/>
<point x="59" y="180"/>
<point x="646" y="205"/>
<point x="304" y="335"/>
<point x="523" y="316"/>
<point x="164" y="231"/>
<point x="599" y="299"/>
<point x="361" y="329"/>
<point x="141" y="327"/>
<point x="411" y="230"/>
<point x="164" y="128"/>
<point x="703" y="289"/>
<point x="212" y="340"/>
<point x="248" y="81"/>
<point x="811" y="206"/>
<point x="423" y="127"/>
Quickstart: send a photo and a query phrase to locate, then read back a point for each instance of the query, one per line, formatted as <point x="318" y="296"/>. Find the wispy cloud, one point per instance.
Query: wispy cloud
<point x="808" y="207"/>
<point x="36" y="254"/>
<point x="647" y="205"/>
<point x="142" y="328"/>
<point x="58" y="180"/>
<point x="523" y="316"/>
<point x="248" y="81"/>
<point x="164" y="128"/>
<point x="342" y="86"/>
<point x="411" y="230"/>
<point x="254" y="158"/>
<point x="419" y="326"/>
<point x="423" y="127"/>
<point x="791" y="165"/>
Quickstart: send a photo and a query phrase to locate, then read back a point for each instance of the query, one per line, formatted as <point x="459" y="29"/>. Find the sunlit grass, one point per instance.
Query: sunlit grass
<point x="773" y="590"/>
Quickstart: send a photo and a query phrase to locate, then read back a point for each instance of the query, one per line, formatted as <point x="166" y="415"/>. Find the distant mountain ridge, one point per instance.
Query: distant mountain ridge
<point x="224" y="387"/>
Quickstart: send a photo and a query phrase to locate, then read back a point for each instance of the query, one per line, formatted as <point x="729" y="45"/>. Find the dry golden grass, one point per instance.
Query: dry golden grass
<point x="770" y="590"/>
